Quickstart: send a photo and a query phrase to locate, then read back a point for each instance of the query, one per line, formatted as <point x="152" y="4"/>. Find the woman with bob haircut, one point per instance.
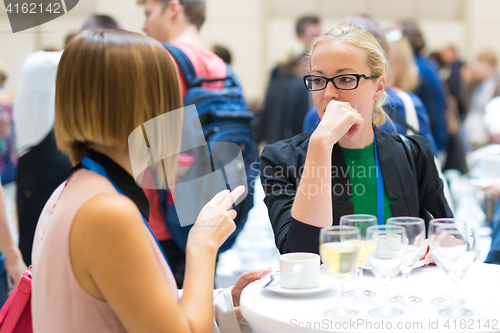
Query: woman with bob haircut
<point x="347" y="165"/>
<point x="96" y="266"/>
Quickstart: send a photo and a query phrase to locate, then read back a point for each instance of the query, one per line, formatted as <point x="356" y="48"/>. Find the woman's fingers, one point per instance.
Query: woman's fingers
<point x="219" y="197"/>
<point x="226" y="198"/>
<point x="232" y="214"/>
<point x="230" y="199"/>
<point x="244" y="280"/>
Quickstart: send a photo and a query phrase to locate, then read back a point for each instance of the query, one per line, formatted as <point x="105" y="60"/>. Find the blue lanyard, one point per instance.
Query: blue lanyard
<point x="99" y="169"/>
<point x="380" y="186"/>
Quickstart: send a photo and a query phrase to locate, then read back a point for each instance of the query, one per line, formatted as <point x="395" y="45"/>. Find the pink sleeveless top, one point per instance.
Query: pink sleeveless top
<point x="59" y="304"/>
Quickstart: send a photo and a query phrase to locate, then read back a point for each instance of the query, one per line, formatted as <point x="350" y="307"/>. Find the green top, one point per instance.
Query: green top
<point x="363" y="176"/>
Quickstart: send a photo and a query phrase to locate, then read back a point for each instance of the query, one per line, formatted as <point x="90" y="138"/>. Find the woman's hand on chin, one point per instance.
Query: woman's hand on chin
<point x="338" y="120"/>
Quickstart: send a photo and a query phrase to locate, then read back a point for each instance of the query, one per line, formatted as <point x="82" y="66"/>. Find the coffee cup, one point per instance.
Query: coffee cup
<point x="299" y="270"/>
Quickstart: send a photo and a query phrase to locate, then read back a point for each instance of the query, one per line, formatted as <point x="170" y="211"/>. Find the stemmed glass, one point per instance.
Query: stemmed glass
<point x="431" y="234"/>
<point x="339" y="250"/>
<point x="385" y="248"/>
<point x="415" y="238"/>
<point x="455" y="247"/>
<point x="362" y="221"/>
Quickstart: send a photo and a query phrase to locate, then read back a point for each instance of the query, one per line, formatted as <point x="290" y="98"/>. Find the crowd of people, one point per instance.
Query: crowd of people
<point x="334" y="124"/>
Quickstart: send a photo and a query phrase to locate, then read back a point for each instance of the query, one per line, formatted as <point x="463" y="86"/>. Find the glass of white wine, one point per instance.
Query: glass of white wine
<point x="361" y="221"/>
<point x="339" y="250"/>
<point x="415" y="239"/>
<point x="385" y="248"/>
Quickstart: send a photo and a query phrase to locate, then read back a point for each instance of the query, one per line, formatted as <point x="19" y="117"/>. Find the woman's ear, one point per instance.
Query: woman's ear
<point x="380" y="88"/>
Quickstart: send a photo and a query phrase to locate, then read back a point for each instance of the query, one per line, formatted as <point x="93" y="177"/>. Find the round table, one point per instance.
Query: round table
<point x="267" y="312"/>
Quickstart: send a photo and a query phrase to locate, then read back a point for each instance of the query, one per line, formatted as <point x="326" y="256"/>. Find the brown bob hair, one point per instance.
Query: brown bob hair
<point x="109" y="82"/>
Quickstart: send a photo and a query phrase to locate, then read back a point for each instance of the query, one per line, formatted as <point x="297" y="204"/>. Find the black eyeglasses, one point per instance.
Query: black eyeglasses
<point x="341" y="82"/>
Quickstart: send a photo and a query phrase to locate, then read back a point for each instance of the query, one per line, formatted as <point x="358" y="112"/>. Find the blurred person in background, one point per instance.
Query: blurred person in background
<point x="453" y="65"/>
<point x="8" y="156"/>
<point x="94" y="21"/>
<point x="492" y="119"/>
<point x="5" y="96"/>
<point x="406" y="112"/>
<point x="98" y="21"/>
<point x="223" y="53"/>
<point x="306" y="29"/>
<point x="485" y="69"/>
<point x="455" y="159"/>
<point x="178" y="23"/>
<point x="69" y="37"/>
<point x="11" y="260"/>
<point x="430" y="88"/>
<point x="287" y="102"/>
<point x="404" y="70"/>
<point x="42" y="167"/>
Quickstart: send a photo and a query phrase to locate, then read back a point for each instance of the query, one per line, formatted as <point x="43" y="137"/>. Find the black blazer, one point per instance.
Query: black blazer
<point x="282" y="163"/>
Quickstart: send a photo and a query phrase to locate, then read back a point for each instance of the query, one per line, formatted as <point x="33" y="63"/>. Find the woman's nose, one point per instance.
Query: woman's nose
<point x="331" y="92"/>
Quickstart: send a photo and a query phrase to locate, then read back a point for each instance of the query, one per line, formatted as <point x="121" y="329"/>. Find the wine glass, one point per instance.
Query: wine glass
<point x="385" y="248"/>
<point x="433" y="224"/>
<point x="455" y="248"/>
<point x="339" y="250"/>
<point x="415" y="239"/>
<point x="362" y="221"/>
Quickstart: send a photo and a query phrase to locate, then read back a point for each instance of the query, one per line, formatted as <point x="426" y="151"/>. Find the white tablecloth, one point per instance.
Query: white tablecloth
<point x="267" y="312"/>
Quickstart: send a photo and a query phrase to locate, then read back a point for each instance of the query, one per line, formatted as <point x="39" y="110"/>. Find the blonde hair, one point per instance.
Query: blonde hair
<point x="408" y="79"/>
<point x="110" y="82"/>
<point x="359" y="37"/>
<point x="488" y="56"/>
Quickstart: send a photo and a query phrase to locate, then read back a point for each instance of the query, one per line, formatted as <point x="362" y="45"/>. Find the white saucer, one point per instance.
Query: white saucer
<point x="325" y="283"/>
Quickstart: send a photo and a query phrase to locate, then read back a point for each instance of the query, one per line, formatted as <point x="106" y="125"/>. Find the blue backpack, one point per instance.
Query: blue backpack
<point x="224" y="117"/>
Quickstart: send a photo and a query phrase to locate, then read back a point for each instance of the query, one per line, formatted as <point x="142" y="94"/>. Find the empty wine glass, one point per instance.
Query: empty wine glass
<point x="455" y="248"/>
<point x="415" y="239"/>
<point x="446" y="299"/>
<point x="385" y="248"/>
<point x="339" y="250"/>
<point x="361" y="221"/>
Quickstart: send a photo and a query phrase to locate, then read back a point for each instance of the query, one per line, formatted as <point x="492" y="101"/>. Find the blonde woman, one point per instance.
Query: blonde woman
<point x="404" y="70"/>
<point x="346" y="165"/>
<point x="96" y="266"/>
<point x="406" y="112"/>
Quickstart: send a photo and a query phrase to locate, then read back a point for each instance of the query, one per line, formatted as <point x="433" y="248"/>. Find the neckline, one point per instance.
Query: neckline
<point x="122" y="179"/>
<point x="359" y="152"/>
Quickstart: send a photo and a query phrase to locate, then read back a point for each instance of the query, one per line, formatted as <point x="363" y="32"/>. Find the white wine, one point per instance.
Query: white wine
<point x="362" y="254"/>
<point x="340" y="258"/>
